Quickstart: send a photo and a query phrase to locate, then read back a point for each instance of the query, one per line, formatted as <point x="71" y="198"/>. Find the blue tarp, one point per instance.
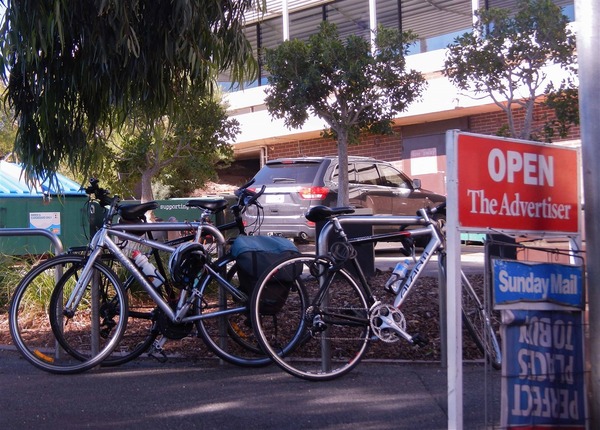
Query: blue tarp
<point x="13" y="184"/>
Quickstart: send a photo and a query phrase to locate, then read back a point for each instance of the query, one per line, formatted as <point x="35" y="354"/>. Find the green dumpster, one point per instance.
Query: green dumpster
<point x="60" y="209"/>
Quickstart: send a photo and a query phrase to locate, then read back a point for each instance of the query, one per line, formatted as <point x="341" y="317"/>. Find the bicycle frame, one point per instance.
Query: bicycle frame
<point x="103" y="240"/>
<point x="435" y="244"/>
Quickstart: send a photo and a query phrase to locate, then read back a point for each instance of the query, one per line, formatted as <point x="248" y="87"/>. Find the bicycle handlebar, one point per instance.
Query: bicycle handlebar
<point x="101" y="194"/>
<point x="246" y="197"/>
<point x="438" y="208"/>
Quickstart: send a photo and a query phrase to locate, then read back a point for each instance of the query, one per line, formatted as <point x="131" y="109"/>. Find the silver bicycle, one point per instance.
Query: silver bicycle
<point x="324" y="329"/>
<point x="74" y="311"/>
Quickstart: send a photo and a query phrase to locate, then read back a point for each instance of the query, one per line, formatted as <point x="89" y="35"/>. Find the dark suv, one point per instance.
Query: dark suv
<point x="293" y="185"/>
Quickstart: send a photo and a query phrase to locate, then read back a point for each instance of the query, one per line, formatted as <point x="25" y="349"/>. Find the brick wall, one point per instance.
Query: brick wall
<point x="389" y="148"/>
<point x="382" y="147"/>
<point x="490" y="123"/>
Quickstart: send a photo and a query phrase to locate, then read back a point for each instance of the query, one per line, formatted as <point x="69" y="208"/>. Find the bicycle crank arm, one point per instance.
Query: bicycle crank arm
<point x="156" y="350"/>
<point x="417" y="339"/>
<point x="389" y="325"/>
<point x="387" y="322"/>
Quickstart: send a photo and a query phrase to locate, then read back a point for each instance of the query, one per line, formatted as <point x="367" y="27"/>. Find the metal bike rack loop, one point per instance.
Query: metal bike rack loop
<point x="58" y="249"/>
<point x="56" y="242"/>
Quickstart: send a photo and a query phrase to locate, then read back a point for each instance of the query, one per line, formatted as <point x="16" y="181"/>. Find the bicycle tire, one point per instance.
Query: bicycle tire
<point x="479" y="325"/>
<point x="313" y="336"/>
<point x="230" y="335"/>
<point x="141" y="328"/>
<point x="31" y="326"/>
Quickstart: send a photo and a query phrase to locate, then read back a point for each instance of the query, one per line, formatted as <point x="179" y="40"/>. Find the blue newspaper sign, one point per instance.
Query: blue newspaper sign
<point x="543" y="384"/>
<point x="541" y="286"/>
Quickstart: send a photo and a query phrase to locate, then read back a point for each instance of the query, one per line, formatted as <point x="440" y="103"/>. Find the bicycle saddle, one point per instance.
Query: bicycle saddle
<point x="321" y="212"/>
<point x="136" y="211"/>
<point x="208" y="204"/>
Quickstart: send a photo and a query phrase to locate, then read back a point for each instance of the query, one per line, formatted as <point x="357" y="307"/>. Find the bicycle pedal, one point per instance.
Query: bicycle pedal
<point x="161" y="357"/>
<point x="420" y="340"/>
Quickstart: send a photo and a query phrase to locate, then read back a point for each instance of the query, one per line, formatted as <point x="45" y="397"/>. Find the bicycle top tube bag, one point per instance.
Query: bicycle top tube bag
<point x="253" y="255"/>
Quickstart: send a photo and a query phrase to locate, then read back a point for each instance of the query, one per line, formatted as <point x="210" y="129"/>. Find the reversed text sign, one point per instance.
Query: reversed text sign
<point x="543" y="372"/>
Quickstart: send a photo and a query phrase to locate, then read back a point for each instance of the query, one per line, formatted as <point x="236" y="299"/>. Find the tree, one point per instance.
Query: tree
<point x="564" y="102"/>
<point x="182" y="148"/>
<point x="505" y="55"/>
<point x="7" y="130"/>
<point x="344" y="83"/>
<point x="75" y="68"/>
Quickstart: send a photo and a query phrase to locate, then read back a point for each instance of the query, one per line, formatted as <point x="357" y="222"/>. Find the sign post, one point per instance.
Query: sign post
<point x="497" y="184"/>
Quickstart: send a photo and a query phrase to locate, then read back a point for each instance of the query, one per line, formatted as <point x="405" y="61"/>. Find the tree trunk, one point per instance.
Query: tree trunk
<point x="343" y="197"/>
<point x="147" y="194"/>
<point x="528" y="121"/>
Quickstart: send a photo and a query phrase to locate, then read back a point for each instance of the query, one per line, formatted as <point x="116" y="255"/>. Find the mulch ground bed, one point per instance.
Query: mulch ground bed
<point x="421" y="311"/>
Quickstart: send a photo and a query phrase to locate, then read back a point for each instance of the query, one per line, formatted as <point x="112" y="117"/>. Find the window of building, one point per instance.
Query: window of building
<point x="436" y="22"/>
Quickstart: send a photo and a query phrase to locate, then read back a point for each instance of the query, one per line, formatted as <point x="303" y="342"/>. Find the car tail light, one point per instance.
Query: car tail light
<point x="313" y="193"/>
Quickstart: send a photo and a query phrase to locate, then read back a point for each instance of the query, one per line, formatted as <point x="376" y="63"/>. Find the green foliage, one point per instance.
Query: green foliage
<point x="12" y="270"/>
<point x="564" y="101"/>
<point x="8" y="129"/>
<point x="505" y="54"/>
<point x="77" y="69"/>
<point x="343" y="82"/>
<point x="180" y="150"/>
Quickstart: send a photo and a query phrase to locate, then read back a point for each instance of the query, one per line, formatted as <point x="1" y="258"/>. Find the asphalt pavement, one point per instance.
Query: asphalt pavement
<point x="146" y="394"/>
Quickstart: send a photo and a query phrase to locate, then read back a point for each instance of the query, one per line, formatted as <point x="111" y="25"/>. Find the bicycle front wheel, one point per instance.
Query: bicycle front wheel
<point x="319" y="333"/>
<point x="38" y="329"/>
<point x="478" y="323"/>
<point x="225" y="320"/>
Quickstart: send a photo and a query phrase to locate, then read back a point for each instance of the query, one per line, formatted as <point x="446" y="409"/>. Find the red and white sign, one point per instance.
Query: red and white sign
<point x="511" y="185"/>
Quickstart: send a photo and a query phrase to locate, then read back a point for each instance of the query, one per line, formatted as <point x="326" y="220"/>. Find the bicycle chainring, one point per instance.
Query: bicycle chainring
<point x="170" y="329"/>
<point x="383" y="320"/>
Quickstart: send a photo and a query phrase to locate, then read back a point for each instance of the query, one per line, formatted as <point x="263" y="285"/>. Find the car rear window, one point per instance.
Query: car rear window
<point x="296" y="173"/>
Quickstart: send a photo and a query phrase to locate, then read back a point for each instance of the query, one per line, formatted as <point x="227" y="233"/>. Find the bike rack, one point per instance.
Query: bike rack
<point x="56" y="242"/>
<point x="58" y="246"/>
<point x="322" y="242"/>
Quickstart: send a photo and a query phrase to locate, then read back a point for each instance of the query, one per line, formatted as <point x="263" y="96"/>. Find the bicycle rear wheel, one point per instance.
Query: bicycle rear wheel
<point x="225" y="325"/>
<point x="90" y="330"/>
<point x="478" y="323"/>
<point x="141" y="328"/>
<point x="320" y="333"/>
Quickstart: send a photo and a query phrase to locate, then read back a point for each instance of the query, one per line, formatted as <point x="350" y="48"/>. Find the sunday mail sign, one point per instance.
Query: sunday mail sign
<point x="516" y="185"/>
<point x="530" y="285"/>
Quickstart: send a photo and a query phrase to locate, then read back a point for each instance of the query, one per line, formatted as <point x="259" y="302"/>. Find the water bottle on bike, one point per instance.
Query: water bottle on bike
<point x="395" y="282"/>
<point x="148" y="268"/>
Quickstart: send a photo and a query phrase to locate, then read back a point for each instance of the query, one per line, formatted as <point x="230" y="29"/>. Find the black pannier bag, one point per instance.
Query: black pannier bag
<point x="253" y="255"/>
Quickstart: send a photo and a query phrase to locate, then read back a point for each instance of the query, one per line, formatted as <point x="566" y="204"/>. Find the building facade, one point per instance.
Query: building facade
<point x="418" y="144"/>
